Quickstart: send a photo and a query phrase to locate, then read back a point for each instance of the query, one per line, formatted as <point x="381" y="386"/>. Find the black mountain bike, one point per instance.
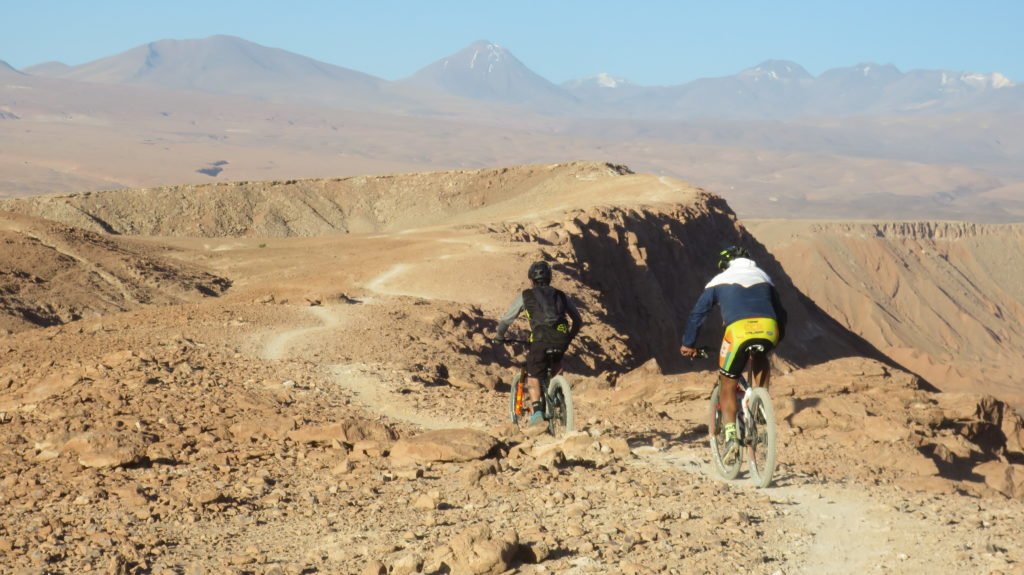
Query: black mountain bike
<point x="755" y="426"/>
<point x="556" y="395"/>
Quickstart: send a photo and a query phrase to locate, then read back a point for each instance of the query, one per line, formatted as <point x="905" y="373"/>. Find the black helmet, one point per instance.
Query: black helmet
<point x="540" y="273"/>
<point x="730" y="253"/>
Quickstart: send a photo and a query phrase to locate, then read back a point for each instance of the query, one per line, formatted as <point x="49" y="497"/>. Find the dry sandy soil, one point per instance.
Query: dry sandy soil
<point x="311" y="390"/>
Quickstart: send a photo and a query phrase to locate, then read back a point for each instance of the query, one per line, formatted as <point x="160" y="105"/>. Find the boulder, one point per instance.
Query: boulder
<point x="374" y="568"/>
<point x="1006" y="478"/>
<point x="443" y="445"/>
<point x="265" y="426"/>
<point x="883" y="429"/>
<point x="117" y="358"/>
<point x="926" y="414"/>
<point x="1013" y="429"/>
<point x="474" y="472"/>
<point x="107" y="448"/>
<point x="356" y="430"/>
<point x="478" y="551"/>
<point x="317" y="433"/>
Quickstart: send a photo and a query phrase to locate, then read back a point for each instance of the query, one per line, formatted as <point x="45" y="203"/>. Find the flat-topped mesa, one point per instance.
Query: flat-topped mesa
<point x="944" y="299"/>
<point x="311" y="207"/>
<point x="923" y="230"/>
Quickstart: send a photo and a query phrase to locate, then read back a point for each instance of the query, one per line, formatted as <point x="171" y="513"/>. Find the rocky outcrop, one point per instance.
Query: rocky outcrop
<point x="647" y="265"/>
<point x="51" y="274"/>
<point x="302" y="207"/>
<point x="1005" y="478"/>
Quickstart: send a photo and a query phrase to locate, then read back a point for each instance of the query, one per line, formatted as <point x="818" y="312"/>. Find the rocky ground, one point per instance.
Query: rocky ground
<point x="339" y="410"/>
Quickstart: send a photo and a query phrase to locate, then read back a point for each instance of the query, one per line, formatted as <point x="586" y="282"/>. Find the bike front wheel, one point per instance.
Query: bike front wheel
<point x="716" y="434"/>
<point x="562" y="419"/>
<point x="761" y="435"/>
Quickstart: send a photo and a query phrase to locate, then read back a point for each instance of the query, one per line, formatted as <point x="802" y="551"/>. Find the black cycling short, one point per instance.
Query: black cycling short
<point x="537" y="358"/>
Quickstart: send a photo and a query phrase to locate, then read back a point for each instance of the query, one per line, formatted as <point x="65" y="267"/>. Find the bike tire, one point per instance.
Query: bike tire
<point x="762" y="457"/>
<point x="563" y="420"/>
<point x="516" y="415"/>
<point x="716" y="435"/>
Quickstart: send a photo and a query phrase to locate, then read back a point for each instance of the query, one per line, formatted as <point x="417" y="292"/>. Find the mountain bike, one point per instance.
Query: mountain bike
<point x="556" y="395"/>
<point x="755" y="426"/>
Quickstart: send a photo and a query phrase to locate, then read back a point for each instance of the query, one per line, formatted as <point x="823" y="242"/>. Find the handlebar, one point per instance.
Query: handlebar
<point x="703" y="353"/>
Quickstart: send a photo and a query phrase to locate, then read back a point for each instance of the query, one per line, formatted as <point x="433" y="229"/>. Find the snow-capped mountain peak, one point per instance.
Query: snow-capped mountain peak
<point x="993" y="81"/>
<point x="776" y="70"/>
<point x="487" y="53"/>
<point x="606" y="80"/>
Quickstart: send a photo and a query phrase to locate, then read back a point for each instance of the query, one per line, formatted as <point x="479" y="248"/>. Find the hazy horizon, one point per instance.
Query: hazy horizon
<point x="657" y="43"/>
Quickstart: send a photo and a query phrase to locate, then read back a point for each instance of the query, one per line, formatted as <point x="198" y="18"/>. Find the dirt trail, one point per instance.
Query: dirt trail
<point x="885" y="538"/>
<point x="279" y="345"/>
<point x="375" y="394"/>
<point x="370" y="390"/>
<point x="380" y="283"/>
<point x="850" y="533"/>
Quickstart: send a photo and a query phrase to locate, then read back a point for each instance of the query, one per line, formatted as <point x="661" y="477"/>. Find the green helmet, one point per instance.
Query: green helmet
<point x="730" y="253"/>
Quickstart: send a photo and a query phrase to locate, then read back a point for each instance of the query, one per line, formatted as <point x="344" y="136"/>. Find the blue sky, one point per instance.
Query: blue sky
<point x="655" y="42"/>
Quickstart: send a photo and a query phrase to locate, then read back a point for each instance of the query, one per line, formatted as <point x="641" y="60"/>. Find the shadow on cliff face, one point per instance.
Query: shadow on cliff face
<point x="650" y="266"/>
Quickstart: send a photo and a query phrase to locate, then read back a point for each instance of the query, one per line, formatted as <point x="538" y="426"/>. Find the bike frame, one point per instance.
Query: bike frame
<point x="550" y="395"/>
<point x="748" y="428"/>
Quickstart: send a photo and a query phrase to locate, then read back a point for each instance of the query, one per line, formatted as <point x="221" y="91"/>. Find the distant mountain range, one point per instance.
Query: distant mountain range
<point x="486" y="73"/>
<point x="6" y="68"/>
<point x="233" y="66"/>
<point x="778" y="89"/>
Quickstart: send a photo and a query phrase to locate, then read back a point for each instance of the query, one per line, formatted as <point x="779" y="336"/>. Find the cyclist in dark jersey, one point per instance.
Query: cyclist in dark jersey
<point x="548" y="310"/>
<point x="752" y="313"/>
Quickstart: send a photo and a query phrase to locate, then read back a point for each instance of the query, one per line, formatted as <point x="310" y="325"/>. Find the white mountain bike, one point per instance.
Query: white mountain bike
<point x="755" y="426"/>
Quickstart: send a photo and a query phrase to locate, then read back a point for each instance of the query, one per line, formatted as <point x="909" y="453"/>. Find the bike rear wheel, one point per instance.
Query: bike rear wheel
<point x="761" y="437"/>
<point x="562" y="419"/>
<point x="716" y="434"/>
